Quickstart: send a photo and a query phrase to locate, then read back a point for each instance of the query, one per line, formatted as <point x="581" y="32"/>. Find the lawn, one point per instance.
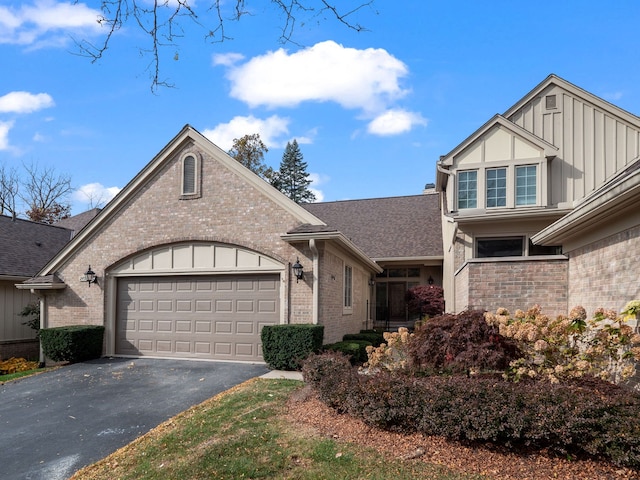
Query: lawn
<point x="243" y="433"/>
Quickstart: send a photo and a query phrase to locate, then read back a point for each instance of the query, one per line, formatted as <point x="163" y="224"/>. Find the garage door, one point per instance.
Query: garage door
<point x="215" y="317"/>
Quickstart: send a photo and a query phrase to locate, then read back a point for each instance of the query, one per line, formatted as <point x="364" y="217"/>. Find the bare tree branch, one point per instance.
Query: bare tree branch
<point x="162" y="23"/>
<point x="45" y="193"/>
<point x="9" y="189"/>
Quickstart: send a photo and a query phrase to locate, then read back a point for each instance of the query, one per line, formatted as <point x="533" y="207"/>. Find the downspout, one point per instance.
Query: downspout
<point x="315" y="283"/>
<point x="43" y="321"/>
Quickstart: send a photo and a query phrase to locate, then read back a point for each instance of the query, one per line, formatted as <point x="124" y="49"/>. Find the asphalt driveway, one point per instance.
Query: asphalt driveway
<point x="53" y="424"/>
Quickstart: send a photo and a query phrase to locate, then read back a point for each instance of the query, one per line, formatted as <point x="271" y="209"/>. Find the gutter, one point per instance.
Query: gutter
<point x="338" y="237"/>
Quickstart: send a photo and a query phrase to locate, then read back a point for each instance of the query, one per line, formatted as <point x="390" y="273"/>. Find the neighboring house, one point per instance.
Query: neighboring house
<point x="195" y="255"/>
<point x="79" y="221"/>
<point x="540" y="205"/>
<point x="402" y="235"/>
<point x="25" y="247"/>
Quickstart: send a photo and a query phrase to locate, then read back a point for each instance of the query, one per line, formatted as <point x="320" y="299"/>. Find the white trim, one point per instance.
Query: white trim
<point x="347" y="288"/>
<point x="316" y="281"/>
<point x="197" y="167"/>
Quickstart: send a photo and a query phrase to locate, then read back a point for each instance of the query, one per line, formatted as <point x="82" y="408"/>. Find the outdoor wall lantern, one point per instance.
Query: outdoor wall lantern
<point x="372" y="282"/>
<point x="90" y="277"/>
<point x="430" y="281"/>
<point x="297" y="270"/>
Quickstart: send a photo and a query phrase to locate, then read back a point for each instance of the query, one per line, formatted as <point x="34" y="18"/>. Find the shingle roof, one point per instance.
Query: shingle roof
<point x="25" y="246"/>
<point x="392" y="227"/>
<point x="78" y="222"/>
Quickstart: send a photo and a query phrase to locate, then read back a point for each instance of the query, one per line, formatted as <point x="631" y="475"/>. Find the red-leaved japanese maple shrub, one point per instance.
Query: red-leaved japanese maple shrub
<point x="425" y="300"/>
<point x="461" y="343"/>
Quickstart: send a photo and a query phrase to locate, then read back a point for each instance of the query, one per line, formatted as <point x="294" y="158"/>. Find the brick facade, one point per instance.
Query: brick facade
<point x="605" y="273"/>
<point x="513" y="283"/>
<point x="339" y="321"/>
<point x="228" y="210"/>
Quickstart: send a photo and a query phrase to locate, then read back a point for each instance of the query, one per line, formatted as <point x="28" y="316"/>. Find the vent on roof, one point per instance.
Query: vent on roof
<point x="550" y="102"/>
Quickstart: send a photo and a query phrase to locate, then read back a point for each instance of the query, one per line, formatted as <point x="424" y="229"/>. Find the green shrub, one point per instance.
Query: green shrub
<point x="371" y="336"/>
<point x="284" y="347"/>
<point x="75" y="343"/>
<point x="582" y="417"/>
<point x="355" y="349"/>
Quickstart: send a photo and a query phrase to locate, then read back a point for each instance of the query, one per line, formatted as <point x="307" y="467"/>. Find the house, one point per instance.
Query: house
<point x="26" y="247"/>
<point x="403" y="236"/>
<point x="195" y="255"/>
<point x="540" y="205"/>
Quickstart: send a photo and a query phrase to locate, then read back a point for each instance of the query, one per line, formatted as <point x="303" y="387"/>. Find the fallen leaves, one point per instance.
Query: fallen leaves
<point x="14" y="365"/>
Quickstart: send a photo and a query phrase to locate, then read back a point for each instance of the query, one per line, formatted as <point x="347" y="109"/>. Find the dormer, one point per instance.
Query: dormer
<point x="501" y="167"/>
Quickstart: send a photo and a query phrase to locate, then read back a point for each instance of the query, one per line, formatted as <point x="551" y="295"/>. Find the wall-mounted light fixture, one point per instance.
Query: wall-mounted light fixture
<point x="372" y="282"/>
<point x="298" y="270"/>
<point x="430" y="280"/>
<point x="90" y="277"/>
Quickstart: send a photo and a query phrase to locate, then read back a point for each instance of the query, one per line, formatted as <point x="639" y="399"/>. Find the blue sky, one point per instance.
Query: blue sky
<point x="372" y="110"/>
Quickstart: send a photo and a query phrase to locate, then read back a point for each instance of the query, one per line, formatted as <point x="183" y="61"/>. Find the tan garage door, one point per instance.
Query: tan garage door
<point x="214" y="317"/>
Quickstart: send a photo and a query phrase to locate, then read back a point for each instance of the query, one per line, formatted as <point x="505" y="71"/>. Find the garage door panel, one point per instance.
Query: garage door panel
<point x="203" y="317"/>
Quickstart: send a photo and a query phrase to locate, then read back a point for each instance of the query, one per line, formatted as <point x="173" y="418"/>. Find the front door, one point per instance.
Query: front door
<point x="397" y="303"/>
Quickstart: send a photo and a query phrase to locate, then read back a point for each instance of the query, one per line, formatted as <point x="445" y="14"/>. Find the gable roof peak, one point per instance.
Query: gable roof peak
<point x="553" y="79"/>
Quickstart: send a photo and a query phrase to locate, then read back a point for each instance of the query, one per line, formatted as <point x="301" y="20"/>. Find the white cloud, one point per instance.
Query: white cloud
<point x="95" y="194"/>
<point x="317" y="179"/>
<point x="25" y="102"/>
<point x="46" y="22"/>
<point x="269" y="129"/>
<point x="227" y="59"/>
<point x="368" y="79"/>
<point x="394" y="122"/>
<point x="4" y="135"/>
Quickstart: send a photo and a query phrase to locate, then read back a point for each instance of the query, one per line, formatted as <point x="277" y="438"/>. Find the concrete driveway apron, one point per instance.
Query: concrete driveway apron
<point x="53" y="424"/>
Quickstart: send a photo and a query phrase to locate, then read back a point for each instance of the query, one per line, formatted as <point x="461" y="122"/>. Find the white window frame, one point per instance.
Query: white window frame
<point x="515" y="186"/>
<point x="460" y="172"/>
<point x="511" y="167"/>
<point x="506" y="187"/>
<point x="347" y="290"/>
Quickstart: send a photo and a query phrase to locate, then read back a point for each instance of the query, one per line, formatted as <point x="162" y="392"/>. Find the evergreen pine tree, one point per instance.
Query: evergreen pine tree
<point x="293" y="179"/>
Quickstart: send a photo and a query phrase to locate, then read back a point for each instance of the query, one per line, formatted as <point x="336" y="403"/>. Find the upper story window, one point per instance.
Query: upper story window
<point x="190" y="185"/>
<point x="526" y="185"/>
<point x="468" y="189"/>
<point x="510" y="186"/>
<point x="348" y="287"/>
<point x="496" y="187"/>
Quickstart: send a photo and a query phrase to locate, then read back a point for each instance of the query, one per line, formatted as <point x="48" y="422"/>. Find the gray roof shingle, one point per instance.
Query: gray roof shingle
<point x="392" y="227"/>
<point x="78" y="222"/>
<point x="26" y="246"/>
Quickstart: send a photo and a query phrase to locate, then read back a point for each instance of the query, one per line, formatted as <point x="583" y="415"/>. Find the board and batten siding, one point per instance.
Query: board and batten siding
<point x="12" y="301"/>
<point x="593" y="143"/>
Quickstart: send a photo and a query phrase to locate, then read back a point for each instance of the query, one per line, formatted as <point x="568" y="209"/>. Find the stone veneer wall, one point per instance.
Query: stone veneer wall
<point x="513" y="283"/>
<point x="606" y="273"/>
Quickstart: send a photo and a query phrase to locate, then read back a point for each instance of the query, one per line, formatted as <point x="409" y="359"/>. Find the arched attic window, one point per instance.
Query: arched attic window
<point x="190" y="186"/>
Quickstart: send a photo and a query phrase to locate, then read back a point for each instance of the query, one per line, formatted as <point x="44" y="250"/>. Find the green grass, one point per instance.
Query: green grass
<point x="241" y="434"/>
<point x="13" y="376"/>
